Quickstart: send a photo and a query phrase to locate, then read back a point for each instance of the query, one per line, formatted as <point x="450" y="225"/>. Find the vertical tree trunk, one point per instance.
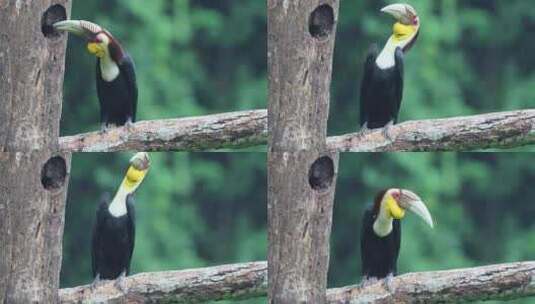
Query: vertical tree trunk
<point x="32" y="204"/>
<point x="301" y="37"/>
<point x="301" y="173"/>
<point x="300" y="203"/>
<point x="32" y="62"/>
<point x="34" y="178"/>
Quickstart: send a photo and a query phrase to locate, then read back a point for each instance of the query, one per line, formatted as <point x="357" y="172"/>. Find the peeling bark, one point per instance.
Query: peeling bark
<point x="33" y="185"/>
<point x="33" y="190"/>
<point x="228" y="282"/>
<point x="301" y="36"/>
<point x="502" y="130"/>
<point x="220" y="131"/>
<point x="300" y="205"/>
<point x="495" y="282"/>
<point x="249" y="280"/>
<point x="488" y="131"/>
<point x="301" y="173"/>
<point x="31" y="75"/>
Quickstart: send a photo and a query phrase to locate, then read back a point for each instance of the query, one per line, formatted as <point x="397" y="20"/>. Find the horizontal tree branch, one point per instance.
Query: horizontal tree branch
<point x="496" y="282"/>
<point x="229" y="130"/>
<point x="228" y="282"/>
<point x="249" y="280"/>
<point x="249" y="128"/>
<point x="488" y="131"/>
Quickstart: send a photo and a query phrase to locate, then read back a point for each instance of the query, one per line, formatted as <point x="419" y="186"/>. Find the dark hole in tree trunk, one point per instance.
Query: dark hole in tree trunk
<point x="53" y="173"/>
<point x="321" y="22"/>
<point x="53" y="14"/>
<point x="321" y="173"/>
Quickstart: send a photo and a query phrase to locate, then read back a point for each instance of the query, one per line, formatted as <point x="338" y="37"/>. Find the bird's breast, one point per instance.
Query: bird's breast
<point x="109" y="70"/>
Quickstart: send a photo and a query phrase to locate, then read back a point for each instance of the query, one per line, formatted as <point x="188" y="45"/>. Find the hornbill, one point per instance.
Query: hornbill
<point x="381" y="232"/>
<point x="115" y="229"/>
<point x="116" y="75"/>
<point x="381" y="89"/>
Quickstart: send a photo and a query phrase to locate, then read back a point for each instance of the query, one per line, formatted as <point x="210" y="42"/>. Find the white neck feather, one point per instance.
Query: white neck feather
<point x="387" y="57"/>
<point x="383" y="223"/>
<point x="108" y="67"/>
<point x="117" y="207"/>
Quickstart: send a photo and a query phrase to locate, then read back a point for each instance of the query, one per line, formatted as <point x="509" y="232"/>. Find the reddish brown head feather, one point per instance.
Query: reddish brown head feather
<point x="411" y="44"/>
<point x="377" y="201"/>
<point x="116" y="50"/>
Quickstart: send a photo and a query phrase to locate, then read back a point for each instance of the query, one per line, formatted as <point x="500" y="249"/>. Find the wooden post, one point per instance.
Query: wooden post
<point x="34" y="177"/>
<point x="301" y="173"/>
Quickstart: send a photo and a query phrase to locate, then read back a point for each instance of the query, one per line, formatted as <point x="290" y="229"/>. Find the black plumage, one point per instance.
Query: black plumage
<point x="113" y="241"/>
<point x="379" y="255"/>
<point x="118" y="98"/>
<point x="381" y="91"/>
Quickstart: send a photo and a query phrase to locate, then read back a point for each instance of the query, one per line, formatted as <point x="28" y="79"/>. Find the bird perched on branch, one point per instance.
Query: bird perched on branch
<point x="381" y="232"/>
<point x="115" y="229"/>
<point x="381" y="89"/>
<point x="116" y="74"/>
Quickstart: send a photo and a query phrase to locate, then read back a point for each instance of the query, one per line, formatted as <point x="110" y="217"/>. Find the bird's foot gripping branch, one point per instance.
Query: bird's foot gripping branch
<point x="249" y="280"/>
<point x="250" y="128"/>
<point x="230" y="282"/>
<point x="502" y="130"/>
<point x="495" y="282"/>
<point x="220" y="131"/>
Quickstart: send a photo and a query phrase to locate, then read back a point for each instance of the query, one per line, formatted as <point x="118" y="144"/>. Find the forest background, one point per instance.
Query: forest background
<point x="204" y="57"/>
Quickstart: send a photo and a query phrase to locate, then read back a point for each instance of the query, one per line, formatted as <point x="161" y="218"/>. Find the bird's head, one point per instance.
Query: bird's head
<point x="394" y="203"/>
<point x="139" y="167"/>
<point x="98" y="39"/>
<point x="407" y="27"/>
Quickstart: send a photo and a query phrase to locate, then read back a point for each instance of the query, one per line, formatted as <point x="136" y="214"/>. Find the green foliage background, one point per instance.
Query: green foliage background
<point x="204" y="56"/>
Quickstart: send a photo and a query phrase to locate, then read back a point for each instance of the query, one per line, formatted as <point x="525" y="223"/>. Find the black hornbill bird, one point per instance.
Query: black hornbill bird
<point x="381" y="231"/>
<point x="381" y="89"/>
<point x="116" y="74"/>
<point x="115" y="229"/>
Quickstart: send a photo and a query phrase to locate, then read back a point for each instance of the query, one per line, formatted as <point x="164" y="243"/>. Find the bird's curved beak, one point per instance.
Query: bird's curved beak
<point x="412" y="202"/>
<point x="140" y="161"/>
<point x="139" y="167"/>
<point x="80" y="28"/>
<point x="403" y="13"/>
<point x="71" y="26"/>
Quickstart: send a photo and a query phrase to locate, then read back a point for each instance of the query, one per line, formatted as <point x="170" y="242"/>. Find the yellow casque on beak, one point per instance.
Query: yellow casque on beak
<point x="394" y="209"/>
<point x="95" y="49"/>
<point x="402" y="31"/>
<point x="134" y="177"/>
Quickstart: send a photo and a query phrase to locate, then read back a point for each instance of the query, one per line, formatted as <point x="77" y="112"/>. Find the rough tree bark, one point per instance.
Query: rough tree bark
<point x="228" y="130"/>
<point x="33" y="184"/>
<point x="249" y="128"/>
<point x="33" y="190"/>
<point x="32" y="62"/>
<point x="249" y="280"/>
<point x="301" y="174"/>
<point x="494" y="282"/>
<point x="227" y="282"/>
<point x="300" y="203"/>
<point x="487" y="131"/>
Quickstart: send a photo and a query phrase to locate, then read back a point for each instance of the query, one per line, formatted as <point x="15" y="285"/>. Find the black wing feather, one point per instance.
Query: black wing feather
<point x="399" y="76"/>
<point x="128" y="71"/>
<point x="365" y="85"/>
<point x="131" y="229"/>
<point x="367" y="221"/>
<point x="397" y="240"/>
<point x="97" y="233"/>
